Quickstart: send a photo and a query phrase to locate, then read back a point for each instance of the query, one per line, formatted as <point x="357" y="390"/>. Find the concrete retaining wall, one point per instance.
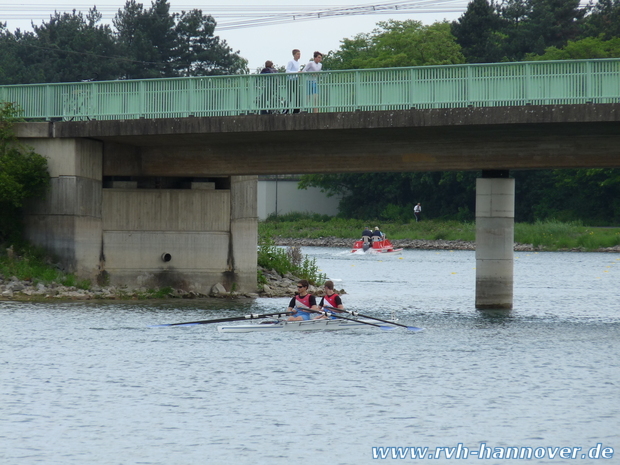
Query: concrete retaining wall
<point x="189" y="239"/>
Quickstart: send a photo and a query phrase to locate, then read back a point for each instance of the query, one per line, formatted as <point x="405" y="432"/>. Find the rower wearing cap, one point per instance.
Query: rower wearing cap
<point x="301" y="301"/>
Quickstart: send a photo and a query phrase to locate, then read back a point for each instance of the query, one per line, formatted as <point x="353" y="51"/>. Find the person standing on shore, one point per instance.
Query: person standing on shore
<point x="417" y="211"/>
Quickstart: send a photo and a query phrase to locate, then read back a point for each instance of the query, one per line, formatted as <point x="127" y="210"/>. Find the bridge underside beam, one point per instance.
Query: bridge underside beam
<point x="477" y="138"/>
<point x="349" y="151"/>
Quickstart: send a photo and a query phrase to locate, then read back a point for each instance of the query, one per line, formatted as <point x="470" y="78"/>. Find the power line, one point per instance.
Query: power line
<point x="392" y="8"/>
<point x="237" y="17"/>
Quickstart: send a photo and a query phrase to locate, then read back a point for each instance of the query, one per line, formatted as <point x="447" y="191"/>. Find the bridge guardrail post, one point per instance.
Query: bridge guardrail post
<point x="141" y="100"/>
<point x="191" y="96"/>
<point x="48" y="103"/>
<point x="357" y="88"/>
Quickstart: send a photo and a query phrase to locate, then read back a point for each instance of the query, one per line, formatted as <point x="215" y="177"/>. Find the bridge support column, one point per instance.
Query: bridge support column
<point x="67" y="222"/>
<point x="495" y="194"/>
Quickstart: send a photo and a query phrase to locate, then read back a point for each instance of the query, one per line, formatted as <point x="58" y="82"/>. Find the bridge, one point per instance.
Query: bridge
<point x="154" y="181"/>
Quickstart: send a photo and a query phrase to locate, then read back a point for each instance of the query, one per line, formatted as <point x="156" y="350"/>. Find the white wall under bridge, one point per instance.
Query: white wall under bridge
<point x="280" y="195"/>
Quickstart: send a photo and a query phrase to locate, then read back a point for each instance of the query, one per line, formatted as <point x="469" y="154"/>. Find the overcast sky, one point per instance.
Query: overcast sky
<point x="284" y="24"/>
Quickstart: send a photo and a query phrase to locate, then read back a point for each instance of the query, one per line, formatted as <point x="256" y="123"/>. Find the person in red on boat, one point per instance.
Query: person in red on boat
<point x="331" y="300"/>
<point x="301" y="301"/>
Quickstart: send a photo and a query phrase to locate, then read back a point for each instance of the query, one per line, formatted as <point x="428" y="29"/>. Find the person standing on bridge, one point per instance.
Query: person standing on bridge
<point x="313" y="67"/>
<point x="417" y="211"/>
<point x="269" y="88"/>
<point x="292" y="83"/>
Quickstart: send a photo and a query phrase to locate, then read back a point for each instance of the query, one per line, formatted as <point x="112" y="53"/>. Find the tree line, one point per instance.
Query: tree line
<point x="143" y="43"/>
<point x="487" y="32"/>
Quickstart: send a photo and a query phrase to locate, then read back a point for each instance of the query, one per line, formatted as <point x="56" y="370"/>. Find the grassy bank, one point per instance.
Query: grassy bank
<point x="551" y="235"/>
<point x="31" y="264"/>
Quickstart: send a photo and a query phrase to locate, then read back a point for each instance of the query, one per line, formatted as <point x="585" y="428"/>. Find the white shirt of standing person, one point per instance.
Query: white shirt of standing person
<point x="294" y="65"/>
<point x="313" y="67"/>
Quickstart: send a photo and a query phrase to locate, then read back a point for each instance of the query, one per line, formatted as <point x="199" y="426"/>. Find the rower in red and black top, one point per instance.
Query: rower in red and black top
<point x="330" y="299"/>
<point x="301" y="301"/>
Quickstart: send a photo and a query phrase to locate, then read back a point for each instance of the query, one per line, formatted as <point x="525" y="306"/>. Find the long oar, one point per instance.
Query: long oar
<point x="410" y="328"/>
<point x="252" y="316"/>
<point x="385" y="328"/>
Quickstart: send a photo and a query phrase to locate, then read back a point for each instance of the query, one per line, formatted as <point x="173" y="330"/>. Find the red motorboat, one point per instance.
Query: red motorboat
<point x="382" y="246"/>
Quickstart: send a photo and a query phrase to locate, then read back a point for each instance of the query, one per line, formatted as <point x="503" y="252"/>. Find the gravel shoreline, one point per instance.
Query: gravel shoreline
<point x="12" y="289"/>
<point x="420" y="244"/>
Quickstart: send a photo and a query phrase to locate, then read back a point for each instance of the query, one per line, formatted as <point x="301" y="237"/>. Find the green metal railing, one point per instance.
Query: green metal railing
<point x="498" y="84"/>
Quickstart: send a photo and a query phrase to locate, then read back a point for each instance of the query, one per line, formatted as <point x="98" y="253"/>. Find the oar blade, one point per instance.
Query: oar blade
<point x="387" y="328"/>
<point x="409" y="328"/>
<point x="414" y="329"/>
<point x="252" y="316"/>
<point x="174" y="324"/>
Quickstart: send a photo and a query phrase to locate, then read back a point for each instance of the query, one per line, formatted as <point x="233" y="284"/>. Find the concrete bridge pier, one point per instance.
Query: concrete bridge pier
<point x="495" y="200"/>
<point x="144" y="230"/>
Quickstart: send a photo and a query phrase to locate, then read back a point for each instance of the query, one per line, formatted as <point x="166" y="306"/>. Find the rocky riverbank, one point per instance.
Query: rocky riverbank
<point x="12" y="288"/>
<point x="419" y="244"/>
<point x="26" y="290"/>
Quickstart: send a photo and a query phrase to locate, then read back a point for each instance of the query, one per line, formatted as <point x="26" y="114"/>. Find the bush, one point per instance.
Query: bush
<point x="23" y="174"/>
<point x="284" y="261"/>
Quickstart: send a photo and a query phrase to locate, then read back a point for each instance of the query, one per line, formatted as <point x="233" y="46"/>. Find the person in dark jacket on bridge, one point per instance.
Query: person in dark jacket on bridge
<point x="270" y="88"/>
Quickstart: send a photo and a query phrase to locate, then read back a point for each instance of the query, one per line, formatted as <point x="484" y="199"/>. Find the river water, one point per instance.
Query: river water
<point x="95" y="383"/>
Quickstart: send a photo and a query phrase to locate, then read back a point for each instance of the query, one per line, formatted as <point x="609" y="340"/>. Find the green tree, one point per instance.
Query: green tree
<point x="590" y="47"/>
<point x="603" y="20"/>
<point x="70" y="48"/>
<point x="23" y="174"/>
<point x="531" y="26"/>
<point x="148" y="43"/>
<point x="145" y="37"/>
<point x="199" y="52"/>
<point x="553" y="23"/>
<point x="477" y="31"/>
<point x="391" y="196"/>
<point x="588" y="195"/>
<point x="397" y="43"/>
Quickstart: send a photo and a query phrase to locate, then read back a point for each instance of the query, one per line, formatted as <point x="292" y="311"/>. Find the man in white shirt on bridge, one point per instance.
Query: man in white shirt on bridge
<point x="313" y="67"/>
<point x="293" y="66"/>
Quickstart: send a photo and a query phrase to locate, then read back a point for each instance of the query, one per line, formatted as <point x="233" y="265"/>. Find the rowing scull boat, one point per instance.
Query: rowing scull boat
<point x="306" y="325"/>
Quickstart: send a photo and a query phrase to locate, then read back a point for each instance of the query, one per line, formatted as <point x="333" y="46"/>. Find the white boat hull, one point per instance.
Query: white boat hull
<point x="308" y="325"/>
